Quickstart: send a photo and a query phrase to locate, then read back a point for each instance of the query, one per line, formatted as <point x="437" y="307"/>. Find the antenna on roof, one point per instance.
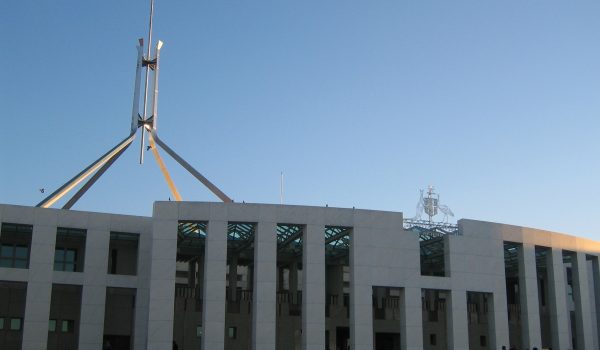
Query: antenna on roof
<point x="281" y="189"/>
<point x="146" y="123"/>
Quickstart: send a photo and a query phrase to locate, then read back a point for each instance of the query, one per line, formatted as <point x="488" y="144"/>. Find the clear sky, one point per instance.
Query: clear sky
<point x="359" y="103"/>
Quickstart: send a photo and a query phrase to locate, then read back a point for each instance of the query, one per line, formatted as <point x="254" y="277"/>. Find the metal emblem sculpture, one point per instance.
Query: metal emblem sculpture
<point x="147" y="124"/>
<point x="431" y="205"/>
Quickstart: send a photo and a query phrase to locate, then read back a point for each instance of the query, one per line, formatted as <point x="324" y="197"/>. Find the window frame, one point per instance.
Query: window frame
<point x="10" y="325"/>
<point x="64" y="262"/>
<point x="12" y="258"/>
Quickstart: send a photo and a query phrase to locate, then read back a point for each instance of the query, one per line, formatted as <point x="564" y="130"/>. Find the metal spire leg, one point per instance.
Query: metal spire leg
<point x="61" y="191"/>
<point x="163" y="169"/>
<point x="214" y="189"/>
<point x="94" y="178"/>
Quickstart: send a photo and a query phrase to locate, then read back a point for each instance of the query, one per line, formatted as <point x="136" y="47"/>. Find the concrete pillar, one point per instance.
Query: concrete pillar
<point x="293" y="282"/>
<point x="458" y="325"/>
<point x="215" y="265"/>
<point x="361" y="292"/>
<point x="192" y="273"/>
<point x="140" y="334"/>
<point x="39" y="288"/>
<point x="200" y="280"/>
<point x="249" y="281"/>
<point x="93" y="295"/>
<point x="233" y="267"/>
<point x="557" y="300"/>
<point x="335" y="282"/>
<point x="162" y="285"/>
<point x="280" y="278"/>
<point x="411" y="319"/>
<point x="142" y="296"/>
<point x="499" y="317"/>
<point x="531" y="333"/>
<point x="265" y="285"/>
<point x="583" y="315"/>
<point x="313" y="288"/>
<point x="596" y="292"/>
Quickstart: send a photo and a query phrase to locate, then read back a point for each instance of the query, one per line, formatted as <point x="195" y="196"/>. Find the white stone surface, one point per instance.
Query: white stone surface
<point x="264" y="295"/>
<point x="381" y="254"/>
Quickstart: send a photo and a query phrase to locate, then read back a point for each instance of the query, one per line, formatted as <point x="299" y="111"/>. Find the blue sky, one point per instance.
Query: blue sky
<point x="359" y="103"/>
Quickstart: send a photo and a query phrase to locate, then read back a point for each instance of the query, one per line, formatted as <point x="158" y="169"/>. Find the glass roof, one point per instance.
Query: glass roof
<point x="289" y="237"/>
<point x="337" y="241"/>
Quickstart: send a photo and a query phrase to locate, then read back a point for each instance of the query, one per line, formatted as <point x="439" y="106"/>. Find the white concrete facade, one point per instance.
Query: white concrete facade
<point x="381" y="253"/>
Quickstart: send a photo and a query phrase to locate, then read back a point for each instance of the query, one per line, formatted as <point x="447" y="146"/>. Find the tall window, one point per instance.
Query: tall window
<point x="65" y="259"/>
<point x="123" y="253"/>
<point x="70" y="249"/>
<point x="15" y="240"/>
<point x="13" y="255"/>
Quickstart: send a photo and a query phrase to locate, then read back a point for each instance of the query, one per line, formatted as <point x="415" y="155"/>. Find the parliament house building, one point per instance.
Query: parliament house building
<point x="239" y="276"/>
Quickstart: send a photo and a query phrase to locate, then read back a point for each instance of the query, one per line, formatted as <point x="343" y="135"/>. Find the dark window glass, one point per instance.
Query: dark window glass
<point x="21" y="252"/>
<point x="67" y="326"/>
<point x="232" y="332"/>
<point x="12" y="255"/>
<point x="52" y="326"/>
<point x="15" y="324"/>
<point x="65" y="259"/>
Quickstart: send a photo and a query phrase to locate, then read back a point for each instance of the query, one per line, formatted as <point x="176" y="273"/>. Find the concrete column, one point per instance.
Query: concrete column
<point x="200" y="280"/>
<point x="233" y="267"/>
<point x="280" y="278"/>
<point x="531" y="333"/>
<point x="93" y="295"/>
<point x="215" y="265"/>
<point x="142" y="296"/>
<point x="411" y="319"/>
<point x="557" y="300"/>
<point x="596" y="293"/>
<point x="335" y="282"/>
<point x="293" y="282"/>
<point x="583" y="315"/>
<point x="249" y="281"/>
<point x="140" y="335"/>
<point x="39" y="287"/>
<point x="313" y="288"/>
<point x="458" y="325"/>
<point x="162" y="285"/>
<point x="361" y="291"/>
<point x="265" y="285"/>
<point x="499" y="318"/>
<point x="192" y="273"/>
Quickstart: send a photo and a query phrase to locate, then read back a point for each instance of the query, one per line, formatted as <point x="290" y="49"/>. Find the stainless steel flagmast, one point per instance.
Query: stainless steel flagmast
<point x="147" y="124"/>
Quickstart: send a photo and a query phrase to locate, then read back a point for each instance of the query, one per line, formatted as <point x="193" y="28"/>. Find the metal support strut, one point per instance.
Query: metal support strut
<point x="147" y="123"/>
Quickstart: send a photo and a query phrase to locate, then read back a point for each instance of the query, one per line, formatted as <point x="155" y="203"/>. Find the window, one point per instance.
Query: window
<point x="67" y="326"/>
<point x="198" y="331"/>
<point x="14" y="255"/>
<point x="15" y="324"/>
<point x="483" y="341"/>
<point x="52" y="326"/>
<point x="123" y="256"/>
<point x="433" y="249"/>
<point x="14" y="245"/>
<point x="65" y="259"/>
<point x="1" y="323"/>
<point x="70" y="249"/>
<point x="432" y="339"/>
<point x="232" y="332"/>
